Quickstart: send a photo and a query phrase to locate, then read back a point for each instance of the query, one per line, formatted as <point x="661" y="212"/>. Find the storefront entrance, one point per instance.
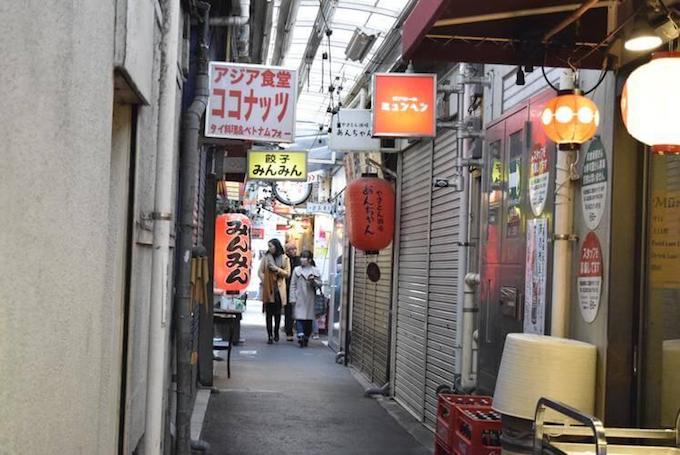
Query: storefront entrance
<point x="659" y="394"/>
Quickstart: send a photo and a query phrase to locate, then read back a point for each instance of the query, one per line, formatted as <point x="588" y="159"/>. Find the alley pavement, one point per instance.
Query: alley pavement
<point x="282" y="399"/>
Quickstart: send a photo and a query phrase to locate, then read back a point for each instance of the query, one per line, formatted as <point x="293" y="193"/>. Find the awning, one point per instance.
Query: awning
<point x="513" y="32"/>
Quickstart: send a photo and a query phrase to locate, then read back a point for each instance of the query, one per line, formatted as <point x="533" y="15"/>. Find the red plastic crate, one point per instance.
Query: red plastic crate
<point x="478" y="431"/>
<point x="439" y="449"/>
<point x="447" y="415"/>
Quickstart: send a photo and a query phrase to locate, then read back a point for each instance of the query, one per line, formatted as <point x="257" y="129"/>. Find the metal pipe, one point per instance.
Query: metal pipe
<point x="564" y="208"/>
<point x="468" y="373"/>
<point x="159" y="299"/>
<point x="228" y="21"/>
<point x="573" y="17"/>
<point x="191" y="123"/>
<point x="564" y="212"/>
<point x="462" y="185"/>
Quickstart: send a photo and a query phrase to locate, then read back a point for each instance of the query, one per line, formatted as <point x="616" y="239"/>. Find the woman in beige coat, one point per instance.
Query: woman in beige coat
<point x="274" y="269"/>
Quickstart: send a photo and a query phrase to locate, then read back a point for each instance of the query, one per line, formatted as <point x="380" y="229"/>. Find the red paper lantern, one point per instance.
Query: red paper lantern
<point x="233" y="258"/>
<point x="369" y="202"/>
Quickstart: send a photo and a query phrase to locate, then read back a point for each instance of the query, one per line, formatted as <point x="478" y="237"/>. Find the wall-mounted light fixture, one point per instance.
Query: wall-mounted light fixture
<point x="643" y="38"/>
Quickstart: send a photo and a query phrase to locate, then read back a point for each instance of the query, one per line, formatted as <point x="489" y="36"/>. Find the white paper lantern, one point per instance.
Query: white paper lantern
<point x="535" y="366"/>
<point x="650" y="104"/>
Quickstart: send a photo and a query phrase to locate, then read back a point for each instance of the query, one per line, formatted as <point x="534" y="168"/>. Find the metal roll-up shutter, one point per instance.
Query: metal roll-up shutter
<point x="369" y="351"/>
<point x="427" y="272"/>
<point x="412" y="288"/>
<point x="443" y="274"/>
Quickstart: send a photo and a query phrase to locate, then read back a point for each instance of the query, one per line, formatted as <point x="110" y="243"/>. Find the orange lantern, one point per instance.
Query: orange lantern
<point x="369" y="202"/>
<point x="233" y="257"/>
<point x="570" y="119"/>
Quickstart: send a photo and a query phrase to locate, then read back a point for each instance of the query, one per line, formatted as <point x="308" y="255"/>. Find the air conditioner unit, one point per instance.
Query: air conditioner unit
<point x="361" y="42"/>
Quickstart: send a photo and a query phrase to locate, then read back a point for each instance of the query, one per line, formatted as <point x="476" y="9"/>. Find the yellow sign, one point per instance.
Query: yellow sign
<point x="664" y="242"/>
<point x="280" y="165"/>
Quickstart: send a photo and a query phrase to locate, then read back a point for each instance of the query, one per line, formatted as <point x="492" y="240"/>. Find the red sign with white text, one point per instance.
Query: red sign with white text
<point x="590" y="275"/>
<point x="251" y="102"/>
<point x="404" y="105"/>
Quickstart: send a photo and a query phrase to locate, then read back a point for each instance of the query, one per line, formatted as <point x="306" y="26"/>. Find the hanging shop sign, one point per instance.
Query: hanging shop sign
<point x="404" y="105"/>
<point x="539" y="177"/>
<point x="351" y="130"/>
<point x="594" y="184"/>
<point x="590" y="277"/>
<point x="258" y="233"/>
<point x="370" y="203"/>
<point x="315" y="176"/>
<point x="251" y="102"/>
<point x="281" y="165"/>
<point x="536" y="273"/>
<point x="233" y="257"/>
<point x="326" y="208"/>
<point x="664" y="241"/>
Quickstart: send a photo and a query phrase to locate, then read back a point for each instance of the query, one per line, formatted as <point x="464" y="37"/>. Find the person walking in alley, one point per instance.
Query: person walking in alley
<point x="303" y="286"/>
<point x="294" y="259"/>
<point x="274" y="270"/>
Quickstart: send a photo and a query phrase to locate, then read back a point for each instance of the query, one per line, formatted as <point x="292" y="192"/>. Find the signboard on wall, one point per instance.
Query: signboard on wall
<point x="594" y="184"/>
<point x="279" y="165"/>
<point x="664" y="240"/>
<point x="590" y="274"/>
<point x="404" y="105"/>
<point x="535" y="276"/>
<point x="251" y="102"/>
<point x="351" y="130"/>
<point x="539" y="177"/>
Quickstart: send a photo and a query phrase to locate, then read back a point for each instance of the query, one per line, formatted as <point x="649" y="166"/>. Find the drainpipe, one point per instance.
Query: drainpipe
<point x="563" y="236"/>
<point x="191" y="123"/>
<point x="468" y="379"/>
<point x="462" y="185"/>
<point x="465" y="371"/>
<point x="237" y="20"/>
<point x="162" y="216"/>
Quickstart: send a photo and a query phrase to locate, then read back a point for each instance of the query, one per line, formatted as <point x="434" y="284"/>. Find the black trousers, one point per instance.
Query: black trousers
<point x="273" y="315"/>
<point x="289" y="319"/>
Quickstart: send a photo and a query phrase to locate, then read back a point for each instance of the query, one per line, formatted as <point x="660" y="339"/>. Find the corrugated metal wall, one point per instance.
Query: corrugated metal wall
<point x="370" y="347"/>
<point x="428" y="269"/>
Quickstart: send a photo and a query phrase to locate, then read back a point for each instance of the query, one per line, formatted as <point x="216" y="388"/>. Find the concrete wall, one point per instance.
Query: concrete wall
<point x="56" y="127"/>
<point x="79" y="121"/>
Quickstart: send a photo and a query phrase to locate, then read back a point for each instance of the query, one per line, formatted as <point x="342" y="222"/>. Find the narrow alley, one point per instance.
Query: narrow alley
<point x="283" y="399"/>
<point x="340" y="227"/>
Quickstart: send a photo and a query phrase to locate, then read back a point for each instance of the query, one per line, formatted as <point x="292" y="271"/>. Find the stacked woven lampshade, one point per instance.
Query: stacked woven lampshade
<point x="670" y="382"/>
<point x="535" y="366"/>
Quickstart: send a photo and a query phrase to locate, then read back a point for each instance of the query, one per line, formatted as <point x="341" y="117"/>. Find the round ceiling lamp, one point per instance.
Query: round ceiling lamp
<point x="570" y="119"/>
<point x="650" y="103"/>
<point x="643" y="38"/>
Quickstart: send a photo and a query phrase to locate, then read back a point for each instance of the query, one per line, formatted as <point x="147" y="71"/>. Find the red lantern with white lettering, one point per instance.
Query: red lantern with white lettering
<point x="650" y="104"/>
<point x="233" y="257"/>
<point x="369" y="202"/>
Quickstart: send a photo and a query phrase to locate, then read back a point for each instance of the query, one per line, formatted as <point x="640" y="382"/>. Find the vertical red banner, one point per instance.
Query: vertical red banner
<point x="233" y="257"/>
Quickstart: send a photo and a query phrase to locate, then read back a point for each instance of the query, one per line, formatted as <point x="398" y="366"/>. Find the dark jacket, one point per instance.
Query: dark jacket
<point x="294" y="262"/>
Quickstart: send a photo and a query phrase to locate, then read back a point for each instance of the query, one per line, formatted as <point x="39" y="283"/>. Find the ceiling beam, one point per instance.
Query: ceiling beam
<point x="516" y="14"/>
<point x="284" y="29"/>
